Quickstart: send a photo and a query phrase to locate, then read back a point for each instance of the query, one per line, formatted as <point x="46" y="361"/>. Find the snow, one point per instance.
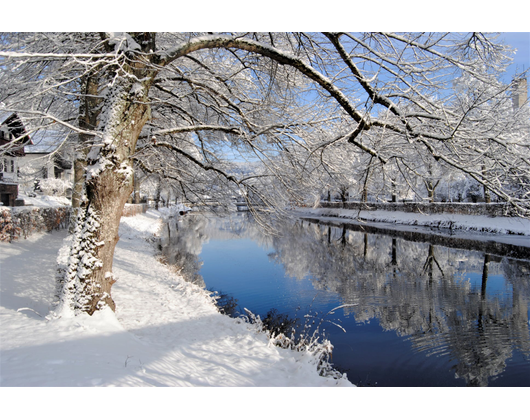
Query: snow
<point x="44" y="201"/>
<point x="165" y="332"/>
<point x="122" y="42"/>
<point x="512" y="230"/>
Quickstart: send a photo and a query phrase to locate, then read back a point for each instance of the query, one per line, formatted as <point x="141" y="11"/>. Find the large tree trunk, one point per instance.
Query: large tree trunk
<point x="108" y="175"/>
<point x="108" y="185"/>
<point x="88" y="120"/>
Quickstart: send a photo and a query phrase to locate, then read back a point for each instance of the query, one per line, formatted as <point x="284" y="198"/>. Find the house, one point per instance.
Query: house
<point x="48" y="157"/>
<point x="11" y="150"/>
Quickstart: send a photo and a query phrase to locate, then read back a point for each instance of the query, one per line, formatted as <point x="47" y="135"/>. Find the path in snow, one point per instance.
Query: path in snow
<point x="166" y="332"/>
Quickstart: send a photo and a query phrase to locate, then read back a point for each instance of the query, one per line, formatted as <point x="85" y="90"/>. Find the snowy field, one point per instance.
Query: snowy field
<point x="166" y="332"/>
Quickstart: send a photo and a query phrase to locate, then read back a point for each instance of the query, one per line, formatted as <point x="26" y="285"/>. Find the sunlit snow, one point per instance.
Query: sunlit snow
<point x="165" y="332"/>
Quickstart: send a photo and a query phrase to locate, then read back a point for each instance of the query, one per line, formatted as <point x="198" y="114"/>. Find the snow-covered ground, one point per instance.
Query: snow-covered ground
<point x="44" y="200"/>
<point x="513" y="230"/>
<point x="165" y="332"/>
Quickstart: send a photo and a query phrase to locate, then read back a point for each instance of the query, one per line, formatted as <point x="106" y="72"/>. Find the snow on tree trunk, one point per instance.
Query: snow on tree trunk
<point x="108" y="185"/>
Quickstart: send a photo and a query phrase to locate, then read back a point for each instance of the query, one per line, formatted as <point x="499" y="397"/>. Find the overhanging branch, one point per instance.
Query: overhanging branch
<point x="197" y="162"/>
<point x="281" y="57"/>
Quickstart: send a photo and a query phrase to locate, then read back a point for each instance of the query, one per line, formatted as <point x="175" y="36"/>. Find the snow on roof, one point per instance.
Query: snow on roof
<point x="44" y="141"/>
<point x="4" y="115"/>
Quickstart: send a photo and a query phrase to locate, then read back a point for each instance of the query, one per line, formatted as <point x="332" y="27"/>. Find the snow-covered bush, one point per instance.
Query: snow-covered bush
<point x="26" y="221"/>
<point x="30" y="221"/>
<point x="320" y="349"/>
<point x="9" y="227"/>
<point x="54" y="186"/>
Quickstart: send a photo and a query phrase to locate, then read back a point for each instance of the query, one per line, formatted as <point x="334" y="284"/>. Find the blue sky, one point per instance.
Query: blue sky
<point x="521" y="41"/>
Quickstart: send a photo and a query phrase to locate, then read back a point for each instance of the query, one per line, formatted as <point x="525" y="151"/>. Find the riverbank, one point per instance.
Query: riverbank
<point x="512" y="230"/>
<point x="165" y="332"/>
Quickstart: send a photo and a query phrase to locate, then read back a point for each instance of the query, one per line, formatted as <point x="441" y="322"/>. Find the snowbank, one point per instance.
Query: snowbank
<point x="165" y="332"/>
<point x="484" y="224"/>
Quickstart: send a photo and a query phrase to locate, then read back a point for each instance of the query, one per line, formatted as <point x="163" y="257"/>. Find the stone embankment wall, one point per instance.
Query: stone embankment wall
<point x="476" y="209"/>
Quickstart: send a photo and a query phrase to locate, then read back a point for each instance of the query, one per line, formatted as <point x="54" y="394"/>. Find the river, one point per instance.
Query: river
<point x="414" y="312"/>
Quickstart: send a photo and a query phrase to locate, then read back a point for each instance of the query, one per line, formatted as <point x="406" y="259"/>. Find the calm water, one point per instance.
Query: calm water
<point x="417" y="314"/>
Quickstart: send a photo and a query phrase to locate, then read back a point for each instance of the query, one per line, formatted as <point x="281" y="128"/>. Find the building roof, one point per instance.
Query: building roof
<point x="44" y="141"/>
<point x="16" y="127"/>
<point x="4" y="115"/>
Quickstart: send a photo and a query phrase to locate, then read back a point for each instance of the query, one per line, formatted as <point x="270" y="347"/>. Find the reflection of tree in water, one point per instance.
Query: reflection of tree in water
<point x="181" y="243"/>
<point x="183" y="237"/>
<point x="417" y="290"/>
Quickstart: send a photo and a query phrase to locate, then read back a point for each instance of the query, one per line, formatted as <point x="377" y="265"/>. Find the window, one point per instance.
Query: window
<point x="7" y="165"/>
<point x="5" y="135"/>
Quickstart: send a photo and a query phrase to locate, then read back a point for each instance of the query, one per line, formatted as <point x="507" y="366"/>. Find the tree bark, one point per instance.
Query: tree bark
<point x="108" y="184"/>
<point x="88" y="120"/>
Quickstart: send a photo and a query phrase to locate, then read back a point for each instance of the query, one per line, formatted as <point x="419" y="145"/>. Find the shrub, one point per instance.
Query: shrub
<point x="27" y="221"/>
<point x="9" y="228"/>
<point x="54" y="186"/>
<point x="320" y="349"/>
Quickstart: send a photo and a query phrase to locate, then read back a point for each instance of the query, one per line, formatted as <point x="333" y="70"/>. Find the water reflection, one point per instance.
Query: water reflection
<point x="466" y="306"/>
<point x="181" y="243"/>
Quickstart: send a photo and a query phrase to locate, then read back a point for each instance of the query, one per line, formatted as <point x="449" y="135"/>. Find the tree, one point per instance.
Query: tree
<point x="261" y="96"/>
<point x="501" y="131"/>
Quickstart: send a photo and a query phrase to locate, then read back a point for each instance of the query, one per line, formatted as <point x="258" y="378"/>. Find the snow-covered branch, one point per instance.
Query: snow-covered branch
<point x="190" y="129"/>
<point x="282" y="57"/>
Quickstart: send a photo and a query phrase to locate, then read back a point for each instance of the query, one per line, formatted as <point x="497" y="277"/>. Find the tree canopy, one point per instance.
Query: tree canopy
<point x="307" y="110"/>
